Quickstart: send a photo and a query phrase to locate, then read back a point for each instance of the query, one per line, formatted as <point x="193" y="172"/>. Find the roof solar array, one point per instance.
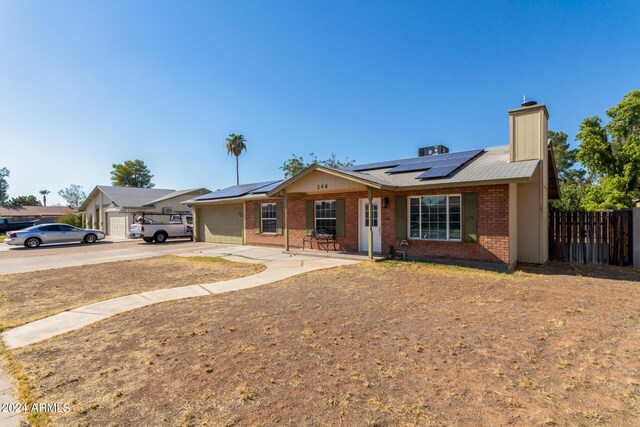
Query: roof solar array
<point x="267" y="188"/>
<point x="436" y="166"/>
<point x="238" y="191"/>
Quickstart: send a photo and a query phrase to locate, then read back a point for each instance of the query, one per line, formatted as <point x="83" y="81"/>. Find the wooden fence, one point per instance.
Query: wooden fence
<point x="591" y="237"/>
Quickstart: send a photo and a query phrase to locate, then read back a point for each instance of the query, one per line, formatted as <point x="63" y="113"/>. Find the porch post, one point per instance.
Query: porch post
<point x="370" y="243"/>
<point x="286" y="221"/>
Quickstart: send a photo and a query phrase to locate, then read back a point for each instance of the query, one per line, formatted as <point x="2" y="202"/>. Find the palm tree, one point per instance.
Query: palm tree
<point x="44" y="196"/>
<point x="235" y="145"/>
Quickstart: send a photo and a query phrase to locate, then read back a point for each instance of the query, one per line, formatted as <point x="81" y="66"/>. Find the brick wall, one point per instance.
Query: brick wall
<point x="298" y="222"/>
<point x="493" y="225"/>
<point x="493" y="228"/>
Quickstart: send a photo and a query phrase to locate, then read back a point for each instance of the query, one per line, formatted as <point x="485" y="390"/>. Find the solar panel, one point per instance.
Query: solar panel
<point x="425" y="162"/>
<point x="438" y="172"/>
<point x="270" y="186"/>
<point x="440" y="161"/>
<point x="235" y="191"/>
<point x="379" y="165"/>
<point x="411" y="167"/>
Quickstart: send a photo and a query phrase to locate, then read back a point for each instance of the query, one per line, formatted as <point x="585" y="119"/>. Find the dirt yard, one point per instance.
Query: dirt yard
<point x="368" y="344"/>
<point x="26" y="297"/>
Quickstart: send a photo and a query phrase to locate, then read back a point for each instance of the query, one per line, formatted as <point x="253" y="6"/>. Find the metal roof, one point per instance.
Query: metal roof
<point x="484" y="166"/>
<point x="492" y="165"/>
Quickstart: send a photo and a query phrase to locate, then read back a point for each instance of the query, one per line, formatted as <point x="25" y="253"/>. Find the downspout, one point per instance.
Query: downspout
<point x="370" y="240"/>
<point x="286" y="221"/>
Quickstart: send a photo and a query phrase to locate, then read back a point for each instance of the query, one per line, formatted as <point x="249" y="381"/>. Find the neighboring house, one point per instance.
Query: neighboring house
<point x="112" y="209"/>
<point x="42" y="214"/>
<point x="485" y="206"/>
<point x="637" y="202"/>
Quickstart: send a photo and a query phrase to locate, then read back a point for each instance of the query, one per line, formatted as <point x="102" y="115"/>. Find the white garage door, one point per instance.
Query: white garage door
<point x="117" y="225"/>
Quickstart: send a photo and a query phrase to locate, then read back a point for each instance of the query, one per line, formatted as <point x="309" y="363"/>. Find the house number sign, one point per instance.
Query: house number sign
<point x="323" y="186"/>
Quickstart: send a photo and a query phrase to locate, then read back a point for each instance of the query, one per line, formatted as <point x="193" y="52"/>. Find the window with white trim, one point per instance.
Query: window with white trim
<point x="326" y="216"/>
<point x="268" y="217"/>
<point x="435" y="217"/>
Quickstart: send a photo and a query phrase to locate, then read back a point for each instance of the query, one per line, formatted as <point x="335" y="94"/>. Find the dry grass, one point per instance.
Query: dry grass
<point x="370" y="344"/>
<point x="25" y="297"/>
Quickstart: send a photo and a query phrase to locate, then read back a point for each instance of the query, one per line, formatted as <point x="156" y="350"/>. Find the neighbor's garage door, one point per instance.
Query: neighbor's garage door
<point x="220" y="224"/>
<point x="116" y="224"/>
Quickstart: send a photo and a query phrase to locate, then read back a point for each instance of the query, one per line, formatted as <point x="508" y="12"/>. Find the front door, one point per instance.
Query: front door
<point x="363" y="224"/>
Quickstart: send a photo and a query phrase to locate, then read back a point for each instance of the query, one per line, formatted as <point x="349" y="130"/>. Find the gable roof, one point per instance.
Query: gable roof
<point x="35" y="211"/>
<point x="488" y="166"/>
<point x="128" y="197"/>
<point x="491" y="165"/>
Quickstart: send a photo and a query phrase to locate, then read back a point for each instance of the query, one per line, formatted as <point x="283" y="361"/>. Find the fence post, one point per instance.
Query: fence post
<point x="635" y="237"/>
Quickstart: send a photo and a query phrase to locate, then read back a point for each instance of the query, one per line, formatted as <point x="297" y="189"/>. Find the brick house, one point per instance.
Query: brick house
<point x="485" y="206"/>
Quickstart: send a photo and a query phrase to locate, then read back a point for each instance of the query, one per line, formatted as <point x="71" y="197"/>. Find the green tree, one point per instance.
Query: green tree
<point x="4" y="186"/>
<point x="131" y="173"/>
<point x="235" y="145"/>
<point x="611" y="155"/>
<point x="44" y="196"/>
<point x="73" y="194"/>
<point x="570" y="176"/>
<point x="30" y="200"/>
<point x="297" y="164"/>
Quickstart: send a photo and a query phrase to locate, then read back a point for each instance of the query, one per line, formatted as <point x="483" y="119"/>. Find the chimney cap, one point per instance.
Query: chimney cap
<point x="529" y="103"/>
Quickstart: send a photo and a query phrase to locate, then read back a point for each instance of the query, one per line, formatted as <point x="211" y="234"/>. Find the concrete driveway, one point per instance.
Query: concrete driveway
<point x="21" y="259"/>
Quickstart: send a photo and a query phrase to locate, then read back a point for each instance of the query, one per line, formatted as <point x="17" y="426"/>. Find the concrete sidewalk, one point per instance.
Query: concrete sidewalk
<point x="7" y="419"/>
<point x="278" y="266"/>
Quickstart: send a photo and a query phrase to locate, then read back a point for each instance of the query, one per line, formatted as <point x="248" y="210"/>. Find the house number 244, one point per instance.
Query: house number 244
<point x="323" y="186"/>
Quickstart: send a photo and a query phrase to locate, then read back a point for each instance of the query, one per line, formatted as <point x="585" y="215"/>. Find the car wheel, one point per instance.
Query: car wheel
<point x="32" y="242"/>
<point x="90" y="238"/>
<point x="148" y="239"/>
<point x="160" y="237"/>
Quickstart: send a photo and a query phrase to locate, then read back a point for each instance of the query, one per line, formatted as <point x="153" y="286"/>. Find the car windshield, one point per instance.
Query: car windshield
<point x="33" y="227"/>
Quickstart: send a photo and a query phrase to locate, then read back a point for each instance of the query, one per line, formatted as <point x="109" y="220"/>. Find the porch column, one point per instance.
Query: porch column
<point x="370" y="243"/>
<point x="286" y="221"/>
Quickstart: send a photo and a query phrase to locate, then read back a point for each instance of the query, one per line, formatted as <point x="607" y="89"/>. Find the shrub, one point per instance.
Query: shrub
<point x="72" y="219"/>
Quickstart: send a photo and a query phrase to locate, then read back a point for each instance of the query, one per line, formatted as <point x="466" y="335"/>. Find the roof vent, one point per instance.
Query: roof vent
<point x="529" y="103"/>
<point x="432" y="150"/>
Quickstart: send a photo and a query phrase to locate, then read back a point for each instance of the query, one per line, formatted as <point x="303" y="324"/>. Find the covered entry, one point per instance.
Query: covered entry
<point x="221" y="224"/>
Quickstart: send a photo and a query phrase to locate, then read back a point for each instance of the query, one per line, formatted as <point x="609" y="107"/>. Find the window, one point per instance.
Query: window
<point x="435" y="217"/>
<point x="66" y="228"/>
<point x="366" y="215"/>
<point x="190" y="220"/>
<point x="326" y="216"/>
<point x="268" y="218"/>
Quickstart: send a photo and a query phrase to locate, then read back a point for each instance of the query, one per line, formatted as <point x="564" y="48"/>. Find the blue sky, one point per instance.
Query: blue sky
<point x="84" y="85"/>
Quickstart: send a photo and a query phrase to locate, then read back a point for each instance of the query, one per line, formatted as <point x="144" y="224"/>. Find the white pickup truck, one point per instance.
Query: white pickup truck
<point x="150" y="231"/>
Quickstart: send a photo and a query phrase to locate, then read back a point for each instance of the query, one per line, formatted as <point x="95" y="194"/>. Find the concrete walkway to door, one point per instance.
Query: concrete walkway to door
<point x="278" y="266"/>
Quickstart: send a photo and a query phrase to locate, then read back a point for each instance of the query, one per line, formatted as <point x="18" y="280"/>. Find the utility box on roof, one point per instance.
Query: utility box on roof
<point x="432" y="150"/>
